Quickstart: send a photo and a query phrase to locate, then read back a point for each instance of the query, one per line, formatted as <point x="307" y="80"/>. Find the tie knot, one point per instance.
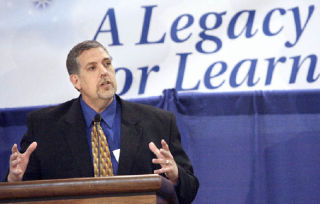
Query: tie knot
<point x="97" y="118"/>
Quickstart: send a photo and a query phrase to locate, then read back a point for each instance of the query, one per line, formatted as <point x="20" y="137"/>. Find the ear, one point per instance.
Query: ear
<point x="74" y="78"/>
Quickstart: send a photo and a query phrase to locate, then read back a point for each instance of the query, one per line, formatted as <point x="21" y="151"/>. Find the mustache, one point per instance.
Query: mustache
<point x="105" y="81"/>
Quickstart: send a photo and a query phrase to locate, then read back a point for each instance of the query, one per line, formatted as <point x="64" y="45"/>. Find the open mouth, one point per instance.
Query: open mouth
<point x="105" y="84"/>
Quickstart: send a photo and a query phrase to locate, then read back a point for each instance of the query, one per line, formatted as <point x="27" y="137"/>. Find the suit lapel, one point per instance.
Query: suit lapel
<point x="130" y="137"/>
<point x="74" y="132"/>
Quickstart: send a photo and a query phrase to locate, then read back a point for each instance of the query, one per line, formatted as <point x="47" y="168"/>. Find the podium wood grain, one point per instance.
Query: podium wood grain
<point x="149" y="188"/>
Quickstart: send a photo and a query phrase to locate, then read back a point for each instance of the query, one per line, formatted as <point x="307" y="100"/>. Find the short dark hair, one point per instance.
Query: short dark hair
<point x="72" y="63"/>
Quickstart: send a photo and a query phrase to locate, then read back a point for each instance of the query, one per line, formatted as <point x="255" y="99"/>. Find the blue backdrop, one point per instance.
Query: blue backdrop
<point x="253" y="147"/>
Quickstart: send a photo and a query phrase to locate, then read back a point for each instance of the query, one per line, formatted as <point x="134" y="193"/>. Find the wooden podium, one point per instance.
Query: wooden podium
<point x="148" y="188"/>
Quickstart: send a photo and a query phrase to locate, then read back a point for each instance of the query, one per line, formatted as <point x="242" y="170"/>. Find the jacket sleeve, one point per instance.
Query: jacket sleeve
<point x="33" y="170"/>
<point x="188" y="183"/>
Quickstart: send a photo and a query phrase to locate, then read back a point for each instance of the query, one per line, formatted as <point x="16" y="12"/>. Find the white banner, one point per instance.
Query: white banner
<point x="194" y="45"/>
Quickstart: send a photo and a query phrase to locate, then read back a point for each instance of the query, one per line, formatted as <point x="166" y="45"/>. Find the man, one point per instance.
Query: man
<point x="60" y="140"/>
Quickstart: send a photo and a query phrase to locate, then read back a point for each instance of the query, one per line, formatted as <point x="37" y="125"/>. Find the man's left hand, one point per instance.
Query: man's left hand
<point x="166" y="160"/>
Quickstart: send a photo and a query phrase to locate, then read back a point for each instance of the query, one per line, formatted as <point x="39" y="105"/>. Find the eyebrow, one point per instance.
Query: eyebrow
<point x="108" y="58"/>
<point x="92" y="63"/>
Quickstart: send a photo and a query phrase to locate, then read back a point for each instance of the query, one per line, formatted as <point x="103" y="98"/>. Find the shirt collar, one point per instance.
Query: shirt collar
<point x="107" y="114"/>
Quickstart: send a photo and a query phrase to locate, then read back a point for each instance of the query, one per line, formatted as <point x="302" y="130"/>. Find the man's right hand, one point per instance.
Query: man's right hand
<point x="19" y="162"/>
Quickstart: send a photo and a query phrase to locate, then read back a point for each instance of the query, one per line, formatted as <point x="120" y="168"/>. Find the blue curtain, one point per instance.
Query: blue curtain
<point x="248" y="147"/>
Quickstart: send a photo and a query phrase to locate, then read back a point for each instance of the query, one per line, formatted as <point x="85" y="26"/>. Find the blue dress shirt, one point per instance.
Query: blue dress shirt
<point x="110" y="123"/>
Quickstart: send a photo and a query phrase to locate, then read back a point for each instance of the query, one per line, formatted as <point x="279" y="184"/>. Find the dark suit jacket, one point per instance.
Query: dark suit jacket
<point x="63" y="150"/>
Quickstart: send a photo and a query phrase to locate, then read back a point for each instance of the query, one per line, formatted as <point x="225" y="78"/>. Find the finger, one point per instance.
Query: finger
<point x="161" y="161"/>
<point x="164" y="145"/>
<point x="14" y="156"/>
<point x="157" y="171"/>
<point x="161" y="171"/>
<point x="14" y="163"/>
<point x="166" y="153"/>
<point x="14" y="148"/>
<point x="30" y="149"/>
<point x="154" y="149"/>
<point x="16" y="172"/>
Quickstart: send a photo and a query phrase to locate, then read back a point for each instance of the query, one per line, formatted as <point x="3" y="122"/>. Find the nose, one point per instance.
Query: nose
<point x="103" y="70"/>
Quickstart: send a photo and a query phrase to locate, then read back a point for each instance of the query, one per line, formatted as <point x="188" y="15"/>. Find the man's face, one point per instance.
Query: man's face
<point x="96" y="79"/>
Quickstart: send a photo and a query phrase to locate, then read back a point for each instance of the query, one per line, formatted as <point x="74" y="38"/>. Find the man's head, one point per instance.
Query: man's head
<point x="91" y="72"/>
<point x="72" y="63"/>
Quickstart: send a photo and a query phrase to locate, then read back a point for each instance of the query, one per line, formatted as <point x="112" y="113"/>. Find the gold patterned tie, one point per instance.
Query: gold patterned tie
<point x="100" y="150"/>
